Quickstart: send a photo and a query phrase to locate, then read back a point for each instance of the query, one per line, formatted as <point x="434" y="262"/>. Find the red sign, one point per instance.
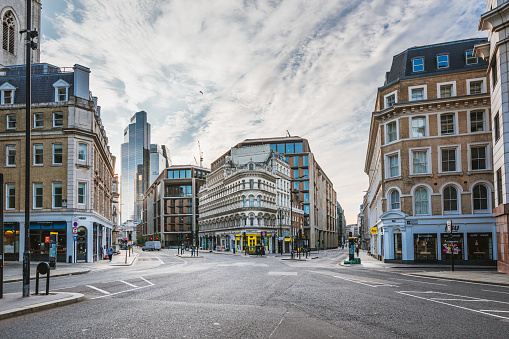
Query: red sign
<point x="46" y="240"/>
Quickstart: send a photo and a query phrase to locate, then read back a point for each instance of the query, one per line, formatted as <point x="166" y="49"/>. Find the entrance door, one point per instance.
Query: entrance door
<point x="81" y="245"/>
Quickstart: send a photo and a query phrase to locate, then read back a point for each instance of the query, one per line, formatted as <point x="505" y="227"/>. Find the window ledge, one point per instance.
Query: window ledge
<point x="485" y="171"/>
<point x="393" y="178"/>
<point x="82" y="166"/>
<point x="421" y="175"/>
<point x="441" y="174"/>
<point x="57" y="164"/>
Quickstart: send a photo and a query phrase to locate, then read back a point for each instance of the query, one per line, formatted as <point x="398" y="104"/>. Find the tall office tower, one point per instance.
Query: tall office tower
<point x="159" y="160"/>
<point x="135" y="157"/>
<point x="13" y="16"/>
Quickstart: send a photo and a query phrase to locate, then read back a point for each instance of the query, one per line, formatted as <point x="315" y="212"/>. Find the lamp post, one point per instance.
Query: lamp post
<point x="30" y="44"/>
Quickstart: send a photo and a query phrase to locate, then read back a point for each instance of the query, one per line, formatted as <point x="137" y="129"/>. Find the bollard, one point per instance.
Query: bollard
<point x="42" y="268"/>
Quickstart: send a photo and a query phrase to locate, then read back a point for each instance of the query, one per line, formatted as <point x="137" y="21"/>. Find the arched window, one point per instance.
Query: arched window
<point x="450" y="199"/>
<point x="251" y="184"/>
<point x="421" y="201"/>
<point x="480" y="197"/>
<point x="251" y="167"/>
<point x="259" y="201"/>
<point x="243" y="201"/>
<point x="251" y="201"/>
<point x="395" y="203"/>
<point x="251" y="218"/>
<point x="8" y="29"/>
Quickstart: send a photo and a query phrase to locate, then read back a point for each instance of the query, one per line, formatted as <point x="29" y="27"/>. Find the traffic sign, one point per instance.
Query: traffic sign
<point x="75" y="224"/>
<point x="75" y="230"/>
<point x="75" y="238"/>
<point x="449" y="226"/>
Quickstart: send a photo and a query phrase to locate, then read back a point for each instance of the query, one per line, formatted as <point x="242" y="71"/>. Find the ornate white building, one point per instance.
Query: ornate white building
<point x="246" y="202"/>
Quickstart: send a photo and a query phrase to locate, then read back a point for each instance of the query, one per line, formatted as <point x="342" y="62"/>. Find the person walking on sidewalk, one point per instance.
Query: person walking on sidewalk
<point x="357" y="251"/>
<point x="192" y="251"/>
<point x="109" y="252"/>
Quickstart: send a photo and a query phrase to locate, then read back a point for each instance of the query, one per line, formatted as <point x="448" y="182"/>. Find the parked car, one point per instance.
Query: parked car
<point x="152" y="246"/>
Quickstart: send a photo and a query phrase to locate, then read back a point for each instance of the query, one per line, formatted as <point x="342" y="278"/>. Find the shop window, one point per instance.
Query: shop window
<point x="425" y="247"/>
<point x="458" y="241"/>
<point x="480" y="246"/>
<point x="398" y="246"/>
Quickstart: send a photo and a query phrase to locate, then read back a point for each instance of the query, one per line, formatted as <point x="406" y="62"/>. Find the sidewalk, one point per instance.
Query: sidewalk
<point x="13" y="304"/>
<point x="474" y="274"/>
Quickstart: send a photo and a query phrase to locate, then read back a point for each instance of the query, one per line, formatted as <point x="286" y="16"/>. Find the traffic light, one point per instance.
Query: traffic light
<point x="157" y="238"/>
<point x="151" y="238"/>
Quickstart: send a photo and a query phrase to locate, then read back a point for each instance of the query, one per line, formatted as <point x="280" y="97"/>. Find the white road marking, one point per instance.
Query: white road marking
<point x="440" y="301"/>
<point x="496" y="291"/>
<point x="365" y="282"/>
<point x="125" y="282"/>
<point x="98" y="289"/>
<point x="420" y="282"/>
<point x="151" y="284"/>
<point x="494" y="311"/>
<point x="162" y="262"/>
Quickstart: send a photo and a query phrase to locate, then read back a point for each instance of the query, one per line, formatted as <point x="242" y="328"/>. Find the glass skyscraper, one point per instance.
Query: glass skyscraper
<point x="135" y="157"/>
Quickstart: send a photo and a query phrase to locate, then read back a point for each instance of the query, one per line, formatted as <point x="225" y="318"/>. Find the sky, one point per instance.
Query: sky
<point x="311" y="68"/>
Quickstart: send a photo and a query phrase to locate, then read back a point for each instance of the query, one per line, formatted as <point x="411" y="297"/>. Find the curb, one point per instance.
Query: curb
<point x="51" y="276"/>
<point x="74" y="298"/>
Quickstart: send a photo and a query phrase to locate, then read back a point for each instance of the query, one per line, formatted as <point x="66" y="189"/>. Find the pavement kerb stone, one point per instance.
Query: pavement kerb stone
<point x="73" y="298"/>
<point x="84" y="271"/>
<point x="487" y="282"/>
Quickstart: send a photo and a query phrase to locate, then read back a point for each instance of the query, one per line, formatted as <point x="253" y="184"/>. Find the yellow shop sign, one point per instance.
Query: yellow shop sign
<point x="374" y="230"/>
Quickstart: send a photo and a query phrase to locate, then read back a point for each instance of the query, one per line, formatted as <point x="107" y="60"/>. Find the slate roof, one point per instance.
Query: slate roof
<point x="402" y="63"/>
<point x="43" y="78"/>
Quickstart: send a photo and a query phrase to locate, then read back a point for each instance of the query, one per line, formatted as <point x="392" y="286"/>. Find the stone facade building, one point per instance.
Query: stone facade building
<point x="246" y="202"/>
<point x="72" y="167"/>
<point x="429" y="158"/>
<point x="13" y="16"/>
<point x="316" y="191"/>
<point x="495" y="21"/>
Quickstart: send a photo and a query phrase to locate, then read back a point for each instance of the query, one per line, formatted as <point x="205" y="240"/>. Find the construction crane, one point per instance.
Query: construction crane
<point x="201" y="155"/>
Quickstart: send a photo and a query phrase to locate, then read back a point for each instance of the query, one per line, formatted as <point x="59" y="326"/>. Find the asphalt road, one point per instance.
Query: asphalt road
<point x="225" y="296"/>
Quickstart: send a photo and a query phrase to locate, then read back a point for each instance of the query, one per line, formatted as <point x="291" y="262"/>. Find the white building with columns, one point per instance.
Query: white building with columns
<point x="246" y="202"/>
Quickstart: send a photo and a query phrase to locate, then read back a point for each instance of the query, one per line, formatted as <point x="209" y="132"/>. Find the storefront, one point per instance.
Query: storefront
<point x="40" y="240"/>
<point x="11" y="241"/>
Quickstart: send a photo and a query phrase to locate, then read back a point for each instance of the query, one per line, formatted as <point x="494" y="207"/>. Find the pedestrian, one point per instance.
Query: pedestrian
<point x="357" y="251"/>
<point x="109" y="252"/>
<point x="233" y="249"/>
<point x="197" y="249"/>
<point x="192" y="251"/>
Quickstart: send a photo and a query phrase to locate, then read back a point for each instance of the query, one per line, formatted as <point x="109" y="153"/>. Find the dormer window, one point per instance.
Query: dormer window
<point x="443" y="61"/>
<point x="7" y="94"/>
<point x="418" y="64"/>
<point x="61" y="90"/>
<point x="470" y="58"/>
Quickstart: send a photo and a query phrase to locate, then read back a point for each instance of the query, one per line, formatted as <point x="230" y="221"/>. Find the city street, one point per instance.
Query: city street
<point x="237" y="296"/>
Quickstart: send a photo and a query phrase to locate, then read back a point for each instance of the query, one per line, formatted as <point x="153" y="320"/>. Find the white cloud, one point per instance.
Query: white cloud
<point x="310" y="67"/>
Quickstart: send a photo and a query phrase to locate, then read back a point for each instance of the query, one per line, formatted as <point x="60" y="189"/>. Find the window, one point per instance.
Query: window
<point x="420" y="162"/>
<point x="295" y="161"/>
<point x="450" y="199"/>
<point x="298" y="147"/>
<point x="38" y="154"/>
<point x="37" y="200"/>
<point x="10" y="155"/>
<point x="390" y="101"/>
<point x="11" y="121"/>
<point x="305" y="185"/>
<point x="10" y="196"/>
<point x="9" y="30"/>
<point x="496" y="127"/>
<point x="243" y="201"/>
<point x="499" y="187"/>
<point x="417" y="94"/>
<point x="477" y="121"/>
<point x="38" y="120"/>
<point x="478" y="155"/>
<point x="447" y="124"/>
<point x="7" y="94"/>
<point x="305" y="173"/>
<point x="251" y="184"/>
<point x="480" y="198"/>
<point x="392" y="132"/>
<point x="475" y="87"/>
<point x="442" y="61"/>
<point x="393" y="165"/>
<point x="57" y="195"/>
<point x="446" y="91"/>
<point x="82" y="193"/>
<point x="61" y="90"/>
<point x="418" y="64"/>
<point x="290" y="148"/>
<point x="259" y="201"/>
<point x="421" y="201"/>
<point x="418" y="127"/>
<point x="251" y="167"/>
<point x="58" y="119"/>
<point x="395" y="203"/>
<point x="448" y="160"/>
<point x="470" y="58"/>
<point x="82" y="152"/>
<point x="494" y="71"/>
<point x="305" y="160"/>
<point x="57" y="154"/>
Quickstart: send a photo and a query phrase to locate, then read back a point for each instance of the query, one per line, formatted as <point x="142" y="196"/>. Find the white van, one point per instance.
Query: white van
<point x="152" y="246"/>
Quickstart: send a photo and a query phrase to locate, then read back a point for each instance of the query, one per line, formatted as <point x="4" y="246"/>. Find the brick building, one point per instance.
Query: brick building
<point x="429" y="158"/>
<point x="72" y="167"/>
